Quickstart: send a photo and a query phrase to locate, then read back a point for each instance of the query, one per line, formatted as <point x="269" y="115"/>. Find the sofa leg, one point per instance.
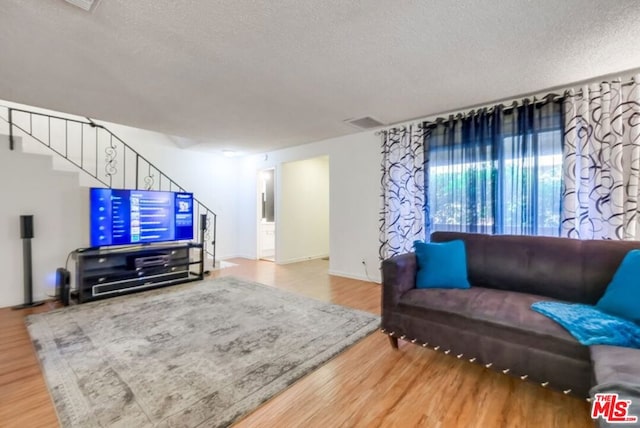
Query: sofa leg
<point x="394" y="342"/>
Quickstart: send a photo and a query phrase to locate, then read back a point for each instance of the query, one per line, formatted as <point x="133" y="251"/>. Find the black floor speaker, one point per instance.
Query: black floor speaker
<point x="26" y="226"/>
<point x="26" y="233"/>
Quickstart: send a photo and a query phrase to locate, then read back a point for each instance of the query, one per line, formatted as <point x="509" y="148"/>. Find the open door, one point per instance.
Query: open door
<point x="266" y="215"/>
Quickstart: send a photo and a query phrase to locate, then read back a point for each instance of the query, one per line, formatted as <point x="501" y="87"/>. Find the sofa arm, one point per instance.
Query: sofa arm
<point x="398" y="277"/>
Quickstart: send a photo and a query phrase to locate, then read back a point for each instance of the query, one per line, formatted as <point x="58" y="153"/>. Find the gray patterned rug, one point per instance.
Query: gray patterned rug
<point x="204" y="354"/>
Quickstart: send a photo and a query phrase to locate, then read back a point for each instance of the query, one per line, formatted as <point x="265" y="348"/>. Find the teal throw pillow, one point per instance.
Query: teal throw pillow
<point x="441" y="265"/>
<point x="622" y="297"/>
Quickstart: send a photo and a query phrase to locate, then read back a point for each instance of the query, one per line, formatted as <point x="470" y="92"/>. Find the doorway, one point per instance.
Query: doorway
<point x="303" y="210"/>
<point x="266" y="215"/>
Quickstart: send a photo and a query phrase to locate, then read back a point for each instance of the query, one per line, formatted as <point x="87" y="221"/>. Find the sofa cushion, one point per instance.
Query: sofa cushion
<point x="612" y="364"/>
<point x="626" y="391"/>
<point x="616" y="370"/>
<point x="441" y="265"/>
<point x="528" y="264"/>
<point x="501" y="314"/>
<point x="565" y="269"/>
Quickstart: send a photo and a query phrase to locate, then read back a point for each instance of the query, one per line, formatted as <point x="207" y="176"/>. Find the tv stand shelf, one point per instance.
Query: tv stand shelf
<point x="103" y="273"/>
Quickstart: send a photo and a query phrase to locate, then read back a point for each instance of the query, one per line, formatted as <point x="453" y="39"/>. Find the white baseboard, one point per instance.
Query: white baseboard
<point x="234" y="256"/>
<point x="353" y="276"/>
<point x="302" y="259"/>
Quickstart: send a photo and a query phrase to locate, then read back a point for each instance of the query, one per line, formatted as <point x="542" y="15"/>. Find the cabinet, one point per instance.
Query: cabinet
<point x="111" y="272"/>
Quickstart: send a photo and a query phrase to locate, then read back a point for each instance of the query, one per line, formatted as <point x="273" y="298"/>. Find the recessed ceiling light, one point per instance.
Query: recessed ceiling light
<point x="230" y="153"/>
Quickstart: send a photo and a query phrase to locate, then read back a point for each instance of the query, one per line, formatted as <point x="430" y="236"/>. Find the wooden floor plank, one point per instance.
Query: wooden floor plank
<point x="368" y="385"/>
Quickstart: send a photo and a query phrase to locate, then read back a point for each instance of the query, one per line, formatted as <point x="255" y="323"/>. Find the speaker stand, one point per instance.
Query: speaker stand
<point x="27" y="305"/>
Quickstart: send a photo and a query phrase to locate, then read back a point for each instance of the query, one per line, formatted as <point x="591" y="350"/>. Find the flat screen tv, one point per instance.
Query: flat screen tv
<point x="126" y="217"/>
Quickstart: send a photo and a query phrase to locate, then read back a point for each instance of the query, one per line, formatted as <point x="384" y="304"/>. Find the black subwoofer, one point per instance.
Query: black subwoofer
<point x="63" y="285"/>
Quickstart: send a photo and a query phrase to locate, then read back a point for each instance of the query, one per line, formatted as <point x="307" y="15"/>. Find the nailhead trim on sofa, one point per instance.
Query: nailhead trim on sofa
<point x="471" y="360"/>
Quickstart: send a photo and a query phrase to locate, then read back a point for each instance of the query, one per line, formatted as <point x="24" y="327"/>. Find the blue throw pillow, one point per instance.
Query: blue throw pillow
<point x="441" y="265"/>
<point x="622" y="297"/>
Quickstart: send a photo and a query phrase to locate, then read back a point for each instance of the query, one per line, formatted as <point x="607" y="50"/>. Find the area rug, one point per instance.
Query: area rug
<point x="201" y="354"/>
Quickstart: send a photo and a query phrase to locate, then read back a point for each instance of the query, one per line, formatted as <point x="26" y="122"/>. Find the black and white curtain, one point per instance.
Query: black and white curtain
<point x="601" y="162"/>
<point x="402" y="219"/>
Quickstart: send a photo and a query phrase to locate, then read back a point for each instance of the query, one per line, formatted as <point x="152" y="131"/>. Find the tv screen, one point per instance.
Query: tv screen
<point x="122" y="217"/>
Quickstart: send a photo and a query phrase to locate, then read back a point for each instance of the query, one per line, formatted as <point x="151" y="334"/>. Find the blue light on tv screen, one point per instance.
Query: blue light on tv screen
<point x="121" y="217"/>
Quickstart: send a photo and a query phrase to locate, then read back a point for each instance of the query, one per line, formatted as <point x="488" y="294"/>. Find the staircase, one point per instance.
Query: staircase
<point x="101" y="157"/>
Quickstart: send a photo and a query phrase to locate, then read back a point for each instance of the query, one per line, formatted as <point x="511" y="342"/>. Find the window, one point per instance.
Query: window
<point x="496" y="173"/>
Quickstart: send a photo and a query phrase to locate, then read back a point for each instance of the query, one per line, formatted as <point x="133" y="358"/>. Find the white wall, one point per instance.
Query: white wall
<point x="354" y="200"/>
<point x="302" y="216"/>
<point x="211" y="177"/>
<point x="228" y="186"/>
<point x="29" y="186"/>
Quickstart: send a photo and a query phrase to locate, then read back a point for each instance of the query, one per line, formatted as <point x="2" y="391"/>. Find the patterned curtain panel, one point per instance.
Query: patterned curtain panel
<point x="601" y="162"/>
<point x="497" y="171"/>
<point x="402" y="218"/>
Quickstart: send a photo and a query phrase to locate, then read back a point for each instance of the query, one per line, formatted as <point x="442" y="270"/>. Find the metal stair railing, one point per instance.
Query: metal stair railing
<point x="99" y="153"/>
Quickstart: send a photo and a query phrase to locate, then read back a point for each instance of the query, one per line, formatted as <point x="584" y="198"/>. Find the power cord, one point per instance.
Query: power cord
<point x="366" y="271"/>
<point x="66" y="263"/>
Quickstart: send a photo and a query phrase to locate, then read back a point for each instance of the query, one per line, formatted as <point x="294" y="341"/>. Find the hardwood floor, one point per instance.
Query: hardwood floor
<point x="369" y="385"/>
<point x="24" y="399"/>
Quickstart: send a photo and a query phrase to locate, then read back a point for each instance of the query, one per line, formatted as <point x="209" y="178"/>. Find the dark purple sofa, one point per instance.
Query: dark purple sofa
<point x="492" y="322"/>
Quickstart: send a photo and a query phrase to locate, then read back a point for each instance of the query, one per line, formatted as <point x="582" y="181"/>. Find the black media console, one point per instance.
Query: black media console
<point x="112" y="272"/>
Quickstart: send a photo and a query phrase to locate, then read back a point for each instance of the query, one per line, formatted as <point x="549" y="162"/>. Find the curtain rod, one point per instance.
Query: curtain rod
<point x="550" y="97"/>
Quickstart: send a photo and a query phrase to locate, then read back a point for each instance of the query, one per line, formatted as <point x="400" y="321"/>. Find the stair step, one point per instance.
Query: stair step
<point x="39" y="161"/>
<point x="48" y="159"/>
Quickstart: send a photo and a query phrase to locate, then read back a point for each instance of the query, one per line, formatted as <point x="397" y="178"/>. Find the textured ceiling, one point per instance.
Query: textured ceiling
<point x="261" y="74"/>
